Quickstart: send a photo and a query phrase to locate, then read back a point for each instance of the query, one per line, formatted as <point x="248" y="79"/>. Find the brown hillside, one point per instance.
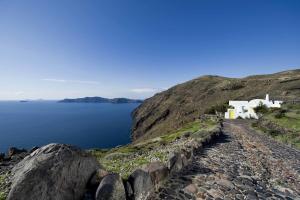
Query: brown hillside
<point x="182" y="103"/>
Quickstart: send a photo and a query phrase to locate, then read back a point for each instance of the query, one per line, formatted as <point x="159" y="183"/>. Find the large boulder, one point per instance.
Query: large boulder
<point x="141" y="183"/>
<point x="175" y="162"/>
<point x="111" y="188"/>
<point x="157" y="171"/>
<point x="55" y="171"/>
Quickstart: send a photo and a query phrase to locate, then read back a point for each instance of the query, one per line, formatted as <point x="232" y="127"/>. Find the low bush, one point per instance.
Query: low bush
<point x="274" y="132"/>
<point x="261" y="109"/>
<point x="280" y="113"/>
<point x="2" y="196"/>
<point x="234" y="85"/>
<point x="222" y="108"/>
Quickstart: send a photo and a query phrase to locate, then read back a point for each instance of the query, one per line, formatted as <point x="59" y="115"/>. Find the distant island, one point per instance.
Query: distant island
<point x="100" y="100"/>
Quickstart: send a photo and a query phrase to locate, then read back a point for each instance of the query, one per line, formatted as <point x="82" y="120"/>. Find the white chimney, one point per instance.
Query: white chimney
<point x="267" y="97"/>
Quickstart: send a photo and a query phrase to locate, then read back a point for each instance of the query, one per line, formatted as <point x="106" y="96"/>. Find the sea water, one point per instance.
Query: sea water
<point x="87" y="125"/>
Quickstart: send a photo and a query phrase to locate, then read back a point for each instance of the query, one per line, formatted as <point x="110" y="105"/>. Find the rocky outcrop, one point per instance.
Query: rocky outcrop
<point x="111" y="188"/>
<point x="55" y="171"/>
<point x="168" y="110"/>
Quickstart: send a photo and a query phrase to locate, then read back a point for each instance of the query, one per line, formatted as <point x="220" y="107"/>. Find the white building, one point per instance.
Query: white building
<point x="245" y="109"/>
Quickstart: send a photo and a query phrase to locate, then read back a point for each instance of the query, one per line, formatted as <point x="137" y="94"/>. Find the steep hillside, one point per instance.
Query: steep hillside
<point x="185" y="102"/>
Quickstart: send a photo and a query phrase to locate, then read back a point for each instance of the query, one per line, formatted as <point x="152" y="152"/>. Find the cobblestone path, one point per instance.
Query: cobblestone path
<point x="241" y="164"/>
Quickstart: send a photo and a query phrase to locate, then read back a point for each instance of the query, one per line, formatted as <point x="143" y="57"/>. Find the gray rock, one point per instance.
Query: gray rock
<point x="55" y="171"/>
<point x="188" y="153"/>
<point x="175" y="162"/>
<point x="225" y="183"/>
<point x="184" y="160"/>
<point x="196" y="146"/>
<point x="141" y="183"/>
<point x="158" y="172"/>
<point x="111" y="188"/>
<point x="191" y="189"/>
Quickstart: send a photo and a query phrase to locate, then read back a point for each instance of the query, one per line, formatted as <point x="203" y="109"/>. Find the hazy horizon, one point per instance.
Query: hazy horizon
<point x="55" y="99"/>
<point x="111" y="48"/>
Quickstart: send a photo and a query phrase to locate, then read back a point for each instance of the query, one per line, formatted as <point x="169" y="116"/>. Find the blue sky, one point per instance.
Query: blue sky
<point x="133" y="48"/>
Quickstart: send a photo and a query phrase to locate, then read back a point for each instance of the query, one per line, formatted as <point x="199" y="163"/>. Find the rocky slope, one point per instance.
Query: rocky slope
<point x="185" y="102"/>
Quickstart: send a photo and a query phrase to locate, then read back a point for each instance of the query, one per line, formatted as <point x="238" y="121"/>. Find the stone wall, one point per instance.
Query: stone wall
<point x="142" y="182"/>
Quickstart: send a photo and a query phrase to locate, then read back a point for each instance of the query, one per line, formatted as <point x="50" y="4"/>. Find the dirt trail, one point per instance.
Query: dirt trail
<point x="240" y="164"/>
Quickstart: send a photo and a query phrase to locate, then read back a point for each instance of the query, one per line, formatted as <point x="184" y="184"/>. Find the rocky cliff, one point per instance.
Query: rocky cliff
<point x="185" y="102"/>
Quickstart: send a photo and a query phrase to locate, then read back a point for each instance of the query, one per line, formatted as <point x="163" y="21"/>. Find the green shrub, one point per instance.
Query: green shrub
<point x="261" y="109"/>
<point x="280" y="113"/>
<point x="234" y="85"/>
<point x="274" y="133"/>
<point x="210" y="110"/>
<point x="293" y="106"/>
<point x="255" y="124"/>
<point x="217" y="108"/>
<point x="2" y="196"/>
<point x="163" y="142"/>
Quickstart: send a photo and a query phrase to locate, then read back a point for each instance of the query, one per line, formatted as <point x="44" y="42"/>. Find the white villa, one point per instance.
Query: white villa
<point x="245" y="109"/>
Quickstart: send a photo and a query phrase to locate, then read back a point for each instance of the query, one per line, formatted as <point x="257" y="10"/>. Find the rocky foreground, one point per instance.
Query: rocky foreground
<point x="233" y="162"/>
<point x="59" y="171"/>
<point x="241" y="164"/>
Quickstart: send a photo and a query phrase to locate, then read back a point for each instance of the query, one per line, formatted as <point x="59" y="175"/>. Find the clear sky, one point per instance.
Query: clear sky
<point x="134" y="48"/>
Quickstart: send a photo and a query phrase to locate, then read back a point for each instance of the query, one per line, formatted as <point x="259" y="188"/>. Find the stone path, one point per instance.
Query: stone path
<point x="241" y="164"/>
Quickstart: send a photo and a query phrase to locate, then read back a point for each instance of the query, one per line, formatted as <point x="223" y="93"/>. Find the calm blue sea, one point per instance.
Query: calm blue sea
<point x="25" y="125"/>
